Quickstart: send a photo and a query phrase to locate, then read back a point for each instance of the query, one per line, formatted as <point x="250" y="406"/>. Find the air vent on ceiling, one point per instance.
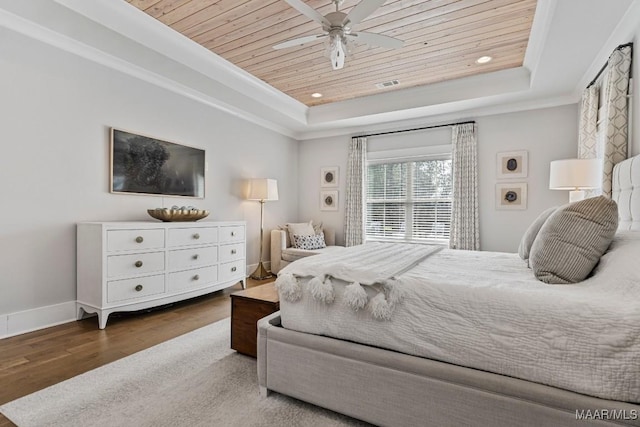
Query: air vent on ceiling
<point x="390" y="83"/>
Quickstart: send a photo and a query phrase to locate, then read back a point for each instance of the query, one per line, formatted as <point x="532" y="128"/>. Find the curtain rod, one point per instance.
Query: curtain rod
<point x="414" y="129"/>
<point x="604" y="67"/>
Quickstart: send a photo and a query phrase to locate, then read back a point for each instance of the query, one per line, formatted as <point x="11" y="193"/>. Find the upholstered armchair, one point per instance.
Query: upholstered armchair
<point x="283" y="253"/>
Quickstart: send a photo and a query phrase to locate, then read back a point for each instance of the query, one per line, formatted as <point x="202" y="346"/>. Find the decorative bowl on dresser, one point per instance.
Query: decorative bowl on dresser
<point x="128" y="266"/>
<point x="177" y="215"/>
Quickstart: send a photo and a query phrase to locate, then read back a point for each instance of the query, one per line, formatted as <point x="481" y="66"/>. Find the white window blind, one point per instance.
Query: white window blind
<point x="409" y="200"/>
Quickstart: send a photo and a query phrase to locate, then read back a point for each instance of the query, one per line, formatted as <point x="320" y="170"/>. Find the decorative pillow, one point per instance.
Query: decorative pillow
<point x="317" y="228"/>
<point x="572" y="240"/>
<point x="301" y="229"/>
<point x="309" y="242"/>
<point x="531" y="233"/>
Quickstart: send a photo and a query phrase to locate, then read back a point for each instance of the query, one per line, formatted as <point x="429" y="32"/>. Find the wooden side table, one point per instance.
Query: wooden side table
<point x="247" y="307"/>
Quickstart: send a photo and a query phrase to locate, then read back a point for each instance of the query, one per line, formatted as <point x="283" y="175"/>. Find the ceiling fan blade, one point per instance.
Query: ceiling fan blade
<point x="308" y="11"/>
<point x="362" y="10"/>
<point x="377" y="39"/>
<point x="299" y="41"/>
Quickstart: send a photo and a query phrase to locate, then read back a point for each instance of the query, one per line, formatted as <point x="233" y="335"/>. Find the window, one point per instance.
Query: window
<point x="409" y="200"/>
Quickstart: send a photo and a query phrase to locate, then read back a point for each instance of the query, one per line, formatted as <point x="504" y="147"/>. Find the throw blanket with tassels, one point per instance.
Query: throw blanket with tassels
<point x="377" y="266"/>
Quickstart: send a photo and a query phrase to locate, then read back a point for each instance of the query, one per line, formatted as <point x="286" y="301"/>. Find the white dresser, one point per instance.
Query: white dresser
<point x="127" y="266"/>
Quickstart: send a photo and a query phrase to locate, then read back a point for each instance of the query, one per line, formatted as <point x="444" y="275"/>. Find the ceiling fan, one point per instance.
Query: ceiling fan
<point x="337" y="26"/>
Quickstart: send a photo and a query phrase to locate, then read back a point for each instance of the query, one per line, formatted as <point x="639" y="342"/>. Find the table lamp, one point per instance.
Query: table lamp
<point x="576" y="175"/>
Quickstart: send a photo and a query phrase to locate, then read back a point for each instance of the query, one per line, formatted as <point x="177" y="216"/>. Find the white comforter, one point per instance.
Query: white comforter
<point x="487" y="311"/>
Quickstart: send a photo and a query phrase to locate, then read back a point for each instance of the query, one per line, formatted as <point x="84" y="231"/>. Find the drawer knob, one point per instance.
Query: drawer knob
<point x="138" y="288"/>
<point x="196" y="256"/>
<point x="139" y="239"/>
<point x="233" y="251"/>
<point x="138" y="264"/>
<point x="233" y="268"/>
<point x="233" y="233"/>
<point x="196" y="277"/>
<point x="196" y="236"/>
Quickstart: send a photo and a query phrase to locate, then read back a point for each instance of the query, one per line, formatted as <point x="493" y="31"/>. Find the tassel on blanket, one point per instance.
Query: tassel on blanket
<point x="322" y="290"/>
<point x="355" y="296"/>
<point x="393" y="293"/>
<point x="288" y="287"/>
<point x="380" y="308"/>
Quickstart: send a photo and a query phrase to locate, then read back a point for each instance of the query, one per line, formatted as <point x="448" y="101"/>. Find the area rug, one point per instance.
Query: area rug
<point x="191" y="380"/>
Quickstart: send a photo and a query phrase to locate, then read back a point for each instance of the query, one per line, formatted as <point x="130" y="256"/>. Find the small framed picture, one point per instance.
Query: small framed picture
<point x="329" y="200"/>
<point x="512" y="164"/>
<point x="329" y="176"/>
<point x="511" y="196"/>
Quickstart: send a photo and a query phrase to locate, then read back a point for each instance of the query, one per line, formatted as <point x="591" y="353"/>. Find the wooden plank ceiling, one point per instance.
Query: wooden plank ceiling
<point x="443" y="39"/>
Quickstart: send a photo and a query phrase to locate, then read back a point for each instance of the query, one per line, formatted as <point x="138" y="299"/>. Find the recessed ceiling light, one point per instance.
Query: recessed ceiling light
<point x="483" y="59"/>
<point x="316" y="95"/>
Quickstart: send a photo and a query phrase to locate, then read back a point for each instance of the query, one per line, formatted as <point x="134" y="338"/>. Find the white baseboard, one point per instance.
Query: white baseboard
<point x="25" y="321"/>
<point x="252" y="267"/>
<point x="3" y="325"/>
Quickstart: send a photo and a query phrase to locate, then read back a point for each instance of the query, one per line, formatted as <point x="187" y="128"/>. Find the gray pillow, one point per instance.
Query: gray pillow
<point x="572" y="240"/>
<point x="530" y="235"/>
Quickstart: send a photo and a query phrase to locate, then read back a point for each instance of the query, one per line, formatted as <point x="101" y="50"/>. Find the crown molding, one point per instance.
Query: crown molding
<point x="129" y="21"/>
<point x="32" y="29"/>
<point x="117" y="35"/>
<point x="481" y="109"/>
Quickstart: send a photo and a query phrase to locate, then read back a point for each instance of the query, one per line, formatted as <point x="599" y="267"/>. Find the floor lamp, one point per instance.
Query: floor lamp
<point x="262" y="189"/>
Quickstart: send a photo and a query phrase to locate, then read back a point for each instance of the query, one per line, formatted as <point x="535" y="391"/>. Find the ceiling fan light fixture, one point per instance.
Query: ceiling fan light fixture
<point x="337" y="26"/>
<point x="337" y="51"/>
<point x="484" y="59"/>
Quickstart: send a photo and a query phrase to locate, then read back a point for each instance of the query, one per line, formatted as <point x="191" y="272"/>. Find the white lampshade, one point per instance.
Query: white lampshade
<point x="263" y="189"/>
<point x="575" y="174"/>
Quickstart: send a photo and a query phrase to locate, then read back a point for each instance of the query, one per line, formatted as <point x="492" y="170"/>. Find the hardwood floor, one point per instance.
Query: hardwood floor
<point x="33" y="361"/>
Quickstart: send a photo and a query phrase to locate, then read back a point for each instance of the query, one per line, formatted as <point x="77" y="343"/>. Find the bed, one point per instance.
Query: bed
<point x="416" y="375"/>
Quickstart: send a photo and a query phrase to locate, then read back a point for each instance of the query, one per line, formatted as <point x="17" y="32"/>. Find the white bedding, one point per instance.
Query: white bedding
<point x="486" y="310"/>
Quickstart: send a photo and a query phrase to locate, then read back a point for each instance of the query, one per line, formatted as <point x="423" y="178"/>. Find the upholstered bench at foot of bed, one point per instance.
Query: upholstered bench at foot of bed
<point x="389" y="388"/>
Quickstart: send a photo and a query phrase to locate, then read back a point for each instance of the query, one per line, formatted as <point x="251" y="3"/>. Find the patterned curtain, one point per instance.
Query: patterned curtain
<point x="587" y="133"/>
<point x="465" y="230"/>
<point x="354" y="203"/>
<point x="611" y="147"/>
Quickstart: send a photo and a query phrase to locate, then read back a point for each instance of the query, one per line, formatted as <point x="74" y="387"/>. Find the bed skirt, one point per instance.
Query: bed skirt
<point x="388" y="388"/>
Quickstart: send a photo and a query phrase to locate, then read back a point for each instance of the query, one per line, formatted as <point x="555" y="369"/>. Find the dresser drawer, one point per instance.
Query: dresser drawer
<point x="129" y="265"/>
<point x="192" y="236"/>
<point x="126" y="240"/>
<point x="131" y="289"/>
<point x="231" y="252"/>
<point x="188" y="258"/>
<point x="231" y="270"/>
<point x="195" y="278"/>
<point x="232" y="233"/>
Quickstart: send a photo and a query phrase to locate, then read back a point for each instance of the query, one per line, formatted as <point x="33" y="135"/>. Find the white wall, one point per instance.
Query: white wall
<point x="54" y="163"/>
<point x="547" y="134"/>
<point x="313" y="155"/>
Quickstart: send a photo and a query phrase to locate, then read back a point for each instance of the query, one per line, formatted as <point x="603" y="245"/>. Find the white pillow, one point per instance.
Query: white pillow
<point x="300" y="229"/>
<point x="621" y="259"/>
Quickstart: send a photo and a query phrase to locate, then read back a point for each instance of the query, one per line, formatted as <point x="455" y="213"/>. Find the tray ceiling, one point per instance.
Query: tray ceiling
<point x="443" y="39"/>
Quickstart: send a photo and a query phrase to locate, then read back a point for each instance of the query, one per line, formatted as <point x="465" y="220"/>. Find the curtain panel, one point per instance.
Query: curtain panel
<point x="465" y="230"/>
<point x="354" y="198"/>
<point x="609" y="139"/>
